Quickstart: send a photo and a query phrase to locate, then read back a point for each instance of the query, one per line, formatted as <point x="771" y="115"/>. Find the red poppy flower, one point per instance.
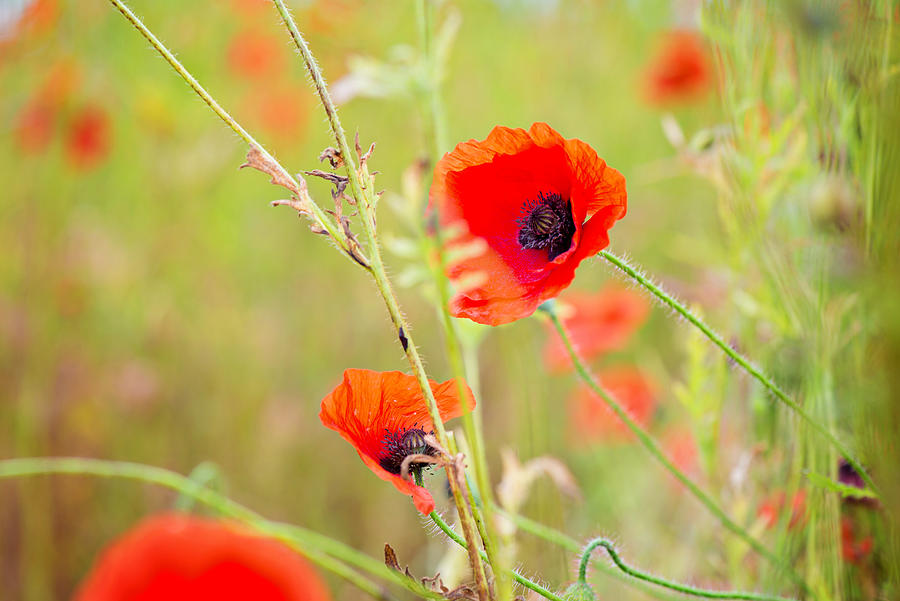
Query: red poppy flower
<point x="772" y="506"/>
<point x="680" y="71"/>
<point x="181" y="557"/>
<point x="592" y="419"/>
<point x="88" y="137"/>
<point x="538" y="203"/>
<point x="383" y="415"/>
<point x="596" y="323"/>
<point x="253" y="55"/>
<point x="36" y="122"/>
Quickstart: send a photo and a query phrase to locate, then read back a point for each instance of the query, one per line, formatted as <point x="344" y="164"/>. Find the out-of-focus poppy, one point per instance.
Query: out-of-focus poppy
<point x="592" y="419"/>
<point x="179" y="557"/>
<point x="854" y="550"/>
<point x="383" y="415"/>
<point x="254" y="54"/>
<point x="36" y="122"/>
<point x="88" y="137"/>
<point x="279" y="111"/>
<point x="772" y="506"/>
<point x="540" y="204"/>
<point x="681" y="69"/>
<point x="250" y="8"/>
<point x="596" y="323"/>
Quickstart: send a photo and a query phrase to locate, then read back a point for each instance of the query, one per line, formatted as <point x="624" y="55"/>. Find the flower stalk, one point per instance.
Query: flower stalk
<point x="745" y="364"/>
<point x="320" y="217"/>
<point x="669" y="584"/>
<point x="654" y="449"/>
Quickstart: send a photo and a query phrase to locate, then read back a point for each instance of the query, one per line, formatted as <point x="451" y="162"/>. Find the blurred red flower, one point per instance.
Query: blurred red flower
<point x="36" y="122"/>
<point x="596" y="323"/>
<point x="538" y="203"/>
<point x="279" y="111"/>
<point x="254" y="55"/>
<point x="681" y="69"/>
<point x="383" y="415"/>
<point x="772" y="506"/>
<point x="178" y="557"/>
<point x="88" y="137"/>
<point x="250" y="8"/>
<point x="854" y="550"/>
<point x="592" y="419"/>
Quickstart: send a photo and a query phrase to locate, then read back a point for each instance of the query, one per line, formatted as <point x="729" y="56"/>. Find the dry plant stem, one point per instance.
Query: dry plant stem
<point x="320" y="216"/>
<point x="529" y="584"/>
<point x="669" y="584"/>
<point x="326" y="552"/>
<point x="738" y="358"/>
<point x="653" y="447"/>
<point x="456" y="476"/>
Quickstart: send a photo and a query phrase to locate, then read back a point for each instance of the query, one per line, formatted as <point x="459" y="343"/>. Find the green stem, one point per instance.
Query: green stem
<point x="669" y="584"/>
<point x="569" y="543"/>
<point x="738" y="358"/>
<point x="310" y="543"/>
<point x="470" y="419"/>
<point x="366" y="203"/>
<point x="529" y="584"/>
<point x="320" y="216"/>
<point x="653" y="447"/>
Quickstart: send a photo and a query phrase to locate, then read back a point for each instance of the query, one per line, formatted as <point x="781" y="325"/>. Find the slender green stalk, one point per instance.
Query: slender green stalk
<point x="529" y="584"/>
<point x="738" y="358"/>
<point x="653" y="447"/>
<point x="471" y="419"/>
<point x="669" y="584"/>
<point x="320" y="216"/>
<point x="312" y="544"/>
<point x="365" y="198"/>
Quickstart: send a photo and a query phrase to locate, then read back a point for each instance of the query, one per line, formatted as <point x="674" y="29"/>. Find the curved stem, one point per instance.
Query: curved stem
<point x="312" y="544"/>
<point x="653" y="447"/>
<point x="529" y="584"/>
<point x="738" y="358"/>
<point x="669" y="584"/>
<point x="320" y="216"/>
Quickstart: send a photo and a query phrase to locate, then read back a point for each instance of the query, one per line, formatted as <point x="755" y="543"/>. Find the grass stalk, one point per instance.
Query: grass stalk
<point x="311" y="544"/>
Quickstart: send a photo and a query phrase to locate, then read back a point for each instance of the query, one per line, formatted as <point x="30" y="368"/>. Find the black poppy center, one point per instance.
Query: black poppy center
<point x="547" y="223"/>
<point x="400" y="445"/>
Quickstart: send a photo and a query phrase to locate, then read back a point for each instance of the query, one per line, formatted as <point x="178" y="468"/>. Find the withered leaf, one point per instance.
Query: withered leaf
<point x="262" y="162"/>
<point x="390" y="558"/>
<point x="340" y="181"/>
<point x="333" y="156"/>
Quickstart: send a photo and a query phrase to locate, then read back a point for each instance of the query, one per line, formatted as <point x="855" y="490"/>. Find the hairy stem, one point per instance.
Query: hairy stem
<point x="669" y="584"/>
<point x="310" y="543"/>
<point x="529" y="584"/>
<point x="738" y="358"/>
<point x="654" y="449"/>
<point x="366" y="201"/>
<point x="320" y="216"/>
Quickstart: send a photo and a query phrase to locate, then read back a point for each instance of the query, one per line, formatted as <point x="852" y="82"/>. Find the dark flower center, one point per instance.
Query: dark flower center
<point x="401" y="444"/>
<point x="547" y="222"/>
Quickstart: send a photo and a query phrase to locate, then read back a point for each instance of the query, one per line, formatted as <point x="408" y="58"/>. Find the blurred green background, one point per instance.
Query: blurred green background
<point x="153" y="308"/>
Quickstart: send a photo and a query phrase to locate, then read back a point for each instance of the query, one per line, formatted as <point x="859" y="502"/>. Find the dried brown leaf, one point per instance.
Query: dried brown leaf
<point x="390" y="558"/>
<point x="257" y="159"/>
<point x="333" y="156"/>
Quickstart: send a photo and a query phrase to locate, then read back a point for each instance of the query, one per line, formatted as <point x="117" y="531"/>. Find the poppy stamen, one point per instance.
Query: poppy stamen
<point x="401" y="444"/>
<point x="547" y="223"/>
